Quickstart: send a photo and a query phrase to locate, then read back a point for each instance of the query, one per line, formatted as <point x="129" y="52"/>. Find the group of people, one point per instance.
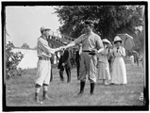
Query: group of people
<point x="94" y="51"/>
<point x="113" y="71"/>
<point x="136" y="58"/>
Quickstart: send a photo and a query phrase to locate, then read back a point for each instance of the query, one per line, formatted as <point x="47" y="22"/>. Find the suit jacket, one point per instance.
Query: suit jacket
<point x="65" y="58"/>
<point x="77" y="56"/>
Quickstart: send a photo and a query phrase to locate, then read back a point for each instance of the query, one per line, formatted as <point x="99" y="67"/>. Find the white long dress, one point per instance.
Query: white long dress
<point x="119" y="69"/>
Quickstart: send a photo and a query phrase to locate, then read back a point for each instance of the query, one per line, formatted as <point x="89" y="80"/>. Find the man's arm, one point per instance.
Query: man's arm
<point x="73" y="43"/>
<point x="70" y="45"/>
<point x="46" y="47"/>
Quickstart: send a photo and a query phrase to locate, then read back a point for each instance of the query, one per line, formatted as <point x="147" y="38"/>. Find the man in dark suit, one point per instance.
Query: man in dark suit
<point x="64" y="63"/>
<point x="78" y="52"/>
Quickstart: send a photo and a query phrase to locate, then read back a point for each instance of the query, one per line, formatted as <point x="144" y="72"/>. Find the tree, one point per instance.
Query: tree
<point x="109" y="19"/>
<point x="12" y="60"/>
<point x="25" y="46"/>
<point x="139" y="41"/>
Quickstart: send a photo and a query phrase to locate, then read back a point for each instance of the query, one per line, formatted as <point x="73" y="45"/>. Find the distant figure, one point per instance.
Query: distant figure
<point x="141" y="59"/>
<point x="110" y="58"/>
<point x="65" y="64"/>
<point x="72" y="57"/>
<point x="132" y="60"/>
<point x="119" y="75"/>
<point x="136" y="58"/>
<point x="78" y="52"/>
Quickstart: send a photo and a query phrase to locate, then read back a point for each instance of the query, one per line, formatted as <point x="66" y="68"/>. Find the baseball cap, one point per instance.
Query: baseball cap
<point x="44" y="28"/>
<point x="89" y="22"/>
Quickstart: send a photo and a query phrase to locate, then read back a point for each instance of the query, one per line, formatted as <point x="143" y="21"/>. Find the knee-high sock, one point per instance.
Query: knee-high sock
<point x="92" y="88"/>
<point x="37" y="90"/>
<point x="82" y="85"/>
<point x="45" y="89"/>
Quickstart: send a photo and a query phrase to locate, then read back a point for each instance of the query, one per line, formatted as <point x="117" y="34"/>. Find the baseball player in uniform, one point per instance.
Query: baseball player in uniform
<point x="44" y="65"/>
<point x="91" y="45"/>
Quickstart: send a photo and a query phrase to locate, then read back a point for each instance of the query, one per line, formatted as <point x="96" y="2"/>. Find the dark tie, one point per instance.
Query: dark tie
<point x="117" y="49"/>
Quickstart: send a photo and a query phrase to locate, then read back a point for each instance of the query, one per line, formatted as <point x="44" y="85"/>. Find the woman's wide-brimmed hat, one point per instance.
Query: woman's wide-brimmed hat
<point x="117" y="39"/>
<point x="106" y="41"/>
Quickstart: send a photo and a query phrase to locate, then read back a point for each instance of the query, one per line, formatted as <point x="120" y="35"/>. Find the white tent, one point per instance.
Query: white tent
<point x="29" y="60"/>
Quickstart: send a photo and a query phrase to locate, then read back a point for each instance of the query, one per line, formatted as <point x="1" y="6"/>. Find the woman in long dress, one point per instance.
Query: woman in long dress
<point x="119" y="69"/>
<point x="103" y="65"/>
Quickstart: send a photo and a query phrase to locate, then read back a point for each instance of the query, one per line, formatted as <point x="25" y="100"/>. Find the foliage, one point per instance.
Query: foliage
<point x="12" y="60"/>
<point x="139" y="42"/>
<point x="109" y="19"/>
<point x="25" y="46"/>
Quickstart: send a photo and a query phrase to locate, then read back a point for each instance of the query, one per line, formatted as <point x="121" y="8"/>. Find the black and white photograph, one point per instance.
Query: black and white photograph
<point x="75" y="56"/>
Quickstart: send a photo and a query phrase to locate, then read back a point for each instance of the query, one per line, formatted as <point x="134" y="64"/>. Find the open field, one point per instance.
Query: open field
<point x="20" y="91"/>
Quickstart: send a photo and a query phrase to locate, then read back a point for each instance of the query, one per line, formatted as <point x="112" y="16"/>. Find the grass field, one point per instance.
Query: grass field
<point x="20" y="91"/>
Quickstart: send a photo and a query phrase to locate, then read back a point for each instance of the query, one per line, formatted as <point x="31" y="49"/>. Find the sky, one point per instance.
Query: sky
<point x="23" y="23"/>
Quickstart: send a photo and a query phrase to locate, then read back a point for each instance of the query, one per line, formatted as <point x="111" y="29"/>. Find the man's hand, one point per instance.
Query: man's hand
<point x="63" y="64"/>
<point x="64" y="47"/>
<point x="93" y="52"/>
<point x="61" y="48"/>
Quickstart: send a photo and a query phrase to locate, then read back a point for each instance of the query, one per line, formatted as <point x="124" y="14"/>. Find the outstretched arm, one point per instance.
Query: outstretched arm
<point x="46" y="48"/>
<point x="76" y="41"/>
<point x="70" y="45"/>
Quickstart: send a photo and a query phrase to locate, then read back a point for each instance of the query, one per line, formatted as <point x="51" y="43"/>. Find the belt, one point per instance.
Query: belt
<point x="86" y="51"/>
<point x="89" y="52"/>
<point x="43" y="58"/>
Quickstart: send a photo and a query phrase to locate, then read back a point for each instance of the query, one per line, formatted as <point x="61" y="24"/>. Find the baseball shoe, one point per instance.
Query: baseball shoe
<point x="46" y="97"/>
<point x="79" y="95"/>
<point x="37" y="100"/>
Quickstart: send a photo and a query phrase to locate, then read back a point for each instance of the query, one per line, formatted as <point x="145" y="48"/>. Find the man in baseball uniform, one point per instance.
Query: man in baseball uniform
<point x="44" y="53"/>
<point x="91" y="45"/>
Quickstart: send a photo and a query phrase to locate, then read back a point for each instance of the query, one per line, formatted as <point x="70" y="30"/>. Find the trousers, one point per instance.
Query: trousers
<point x="88" y="67"/>
<point x="43" y="72"/>
<point x="68" y="72"/>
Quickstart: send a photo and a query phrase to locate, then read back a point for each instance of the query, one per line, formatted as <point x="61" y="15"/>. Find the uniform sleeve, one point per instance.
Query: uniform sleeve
<point x="99" y="43"/>
<point x="79" y="39"/>
<point x="44" y="46"/>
